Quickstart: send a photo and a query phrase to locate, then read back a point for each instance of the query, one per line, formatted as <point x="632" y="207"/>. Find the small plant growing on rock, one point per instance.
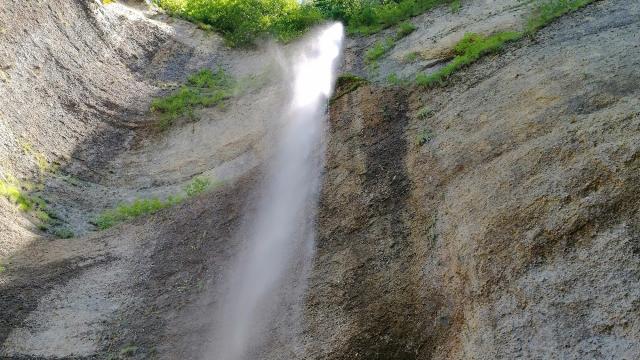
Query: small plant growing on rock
<point x="205" y="88"/>
<point x="378" y="50"/>
<point x="455" y="6"/>
<point x="424" y="113"/>
<point x="468" y="50"/>
<point x="140" y="207"/>
<point x="197" y="186"/>
<point x="548" y="11"/>
<point x="424" y="137"/>
<point x="411" y="57"/>
<point x="404" y="29"/>
<point x="63" y="233"/>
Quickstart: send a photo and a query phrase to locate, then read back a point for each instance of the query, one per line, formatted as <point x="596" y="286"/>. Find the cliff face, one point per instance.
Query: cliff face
<point x="513" y="230"/>
<point x="494" y="218"/>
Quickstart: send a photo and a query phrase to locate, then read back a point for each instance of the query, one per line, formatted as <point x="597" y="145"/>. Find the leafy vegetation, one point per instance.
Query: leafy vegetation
<point x="21" y="194"/>
<point x="63" y="232"/>
<point x="405" y="29"/>
<point x="369" y="17"/>
<point x="424" y="137"/>
<point x="471" y="48"/>
<point x="424" y="113"/>
<point x="551" y="10"/>
<point x="14" y="192"/>
<point x="396" y="80"/>
<point x="241" y="22"/>
<point x="412" y="56"/>
<point x="474" y="46"/>
<point x="378" y="50"/>
<point x="205" y="88"/>
<point x="139" y="207"/>
<point x="456" y="5"/>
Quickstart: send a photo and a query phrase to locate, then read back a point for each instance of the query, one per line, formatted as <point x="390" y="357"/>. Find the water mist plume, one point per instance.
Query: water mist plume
<point x="281" y="239"/>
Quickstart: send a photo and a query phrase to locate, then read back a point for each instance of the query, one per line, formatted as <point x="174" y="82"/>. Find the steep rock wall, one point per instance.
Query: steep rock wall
<point x="513" y="231"/>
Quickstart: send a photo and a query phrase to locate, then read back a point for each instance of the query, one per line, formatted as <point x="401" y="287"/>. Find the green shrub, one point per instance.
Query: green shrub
<point x="373" y="16"/>
<point x="124" y="212"/>
<point x="205" y="88"/>
<point x="241" y="22"/>
<point x="396" y="80"/>
<point x="468" y="50"/>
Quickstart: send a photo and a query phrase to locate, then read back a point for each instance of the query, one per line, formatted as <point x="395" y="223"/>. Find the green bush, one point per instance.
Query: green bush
<point x="347" y="83"/>
<point x="373" y="16"/>
<point x="241" y="22"/>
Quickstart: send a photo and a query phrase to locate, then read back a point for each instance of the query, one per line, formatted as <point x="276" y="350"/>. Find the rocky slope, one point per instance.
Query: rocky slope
<point x="503" y="223"/>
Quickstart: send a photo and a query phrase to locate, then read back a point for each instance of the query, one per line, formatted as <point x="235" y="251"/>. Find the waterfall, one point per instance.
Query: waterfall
<point x="281" y="237"/>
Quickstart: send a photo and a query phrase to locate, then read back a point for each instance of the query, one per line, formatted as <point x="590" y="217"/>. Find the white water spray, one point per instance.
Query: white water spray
<point x="281" y="236"/>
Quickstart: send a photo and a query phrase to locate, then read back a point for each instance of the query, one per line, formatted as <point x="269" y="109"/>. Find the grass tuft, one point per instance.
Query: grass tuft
<point x="197" y="186"/>
<point x="455" y="6"/>
<point x="140" y="207"/>
<point x="474" y="46"/>
<point x="424" y="113"/>
<point x="468" y="50"/>
<point x="551" y="10"/>
<point x="378" y="50"/>
<point x="404" y="29"/>
<point x="373" y="16"/>
<point x="63" y="233"/>
<point x="205" y="88"/>
<point x="424" y="137"/>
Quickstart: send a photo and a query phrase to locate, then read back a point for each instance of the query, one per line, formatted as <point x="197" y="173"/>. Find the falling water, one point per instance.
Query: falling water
<point x="281" y="234"/>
